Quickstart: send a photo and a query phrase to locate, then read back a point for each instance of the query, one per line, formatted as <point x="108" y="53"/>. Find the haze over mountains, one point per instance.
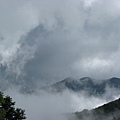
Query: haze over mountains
<point x="90" y="85"/>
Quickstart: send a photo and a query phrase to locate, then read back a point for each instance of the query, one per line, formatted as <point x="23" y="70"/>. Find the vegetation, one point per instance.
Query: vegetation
<point x="8" y="111"/>
<point x="109" y="111"/>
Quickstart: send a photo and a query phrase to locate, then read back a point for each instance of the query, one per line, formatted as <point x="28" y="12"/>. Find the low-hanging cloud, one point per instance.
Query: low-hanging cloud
<point x="58" y="106"/>
<point x="53" y="106"/>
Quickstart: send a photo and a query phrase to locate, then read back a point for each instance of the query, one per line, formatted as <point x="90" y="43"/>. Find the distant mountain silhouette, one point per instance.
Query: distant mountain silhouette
<point x="90" y="85"/>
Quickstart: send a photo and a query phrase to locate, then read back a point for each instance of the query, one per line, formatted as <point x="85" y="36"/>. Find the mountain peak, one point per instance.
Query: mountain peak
<point x="85" y="78"/>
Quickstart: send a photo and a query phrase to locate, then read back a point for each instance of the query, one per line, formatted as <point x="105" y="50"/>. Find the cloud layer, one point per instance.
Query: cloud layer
<point x="53" y="106"/>
<point x="61" y="38"/>
<point x="45" y="106"/>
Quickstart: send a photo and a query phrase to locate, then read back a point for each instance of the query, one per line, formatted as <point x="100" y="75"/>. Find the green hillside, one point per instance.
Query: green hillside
<point x="109" y="111"/>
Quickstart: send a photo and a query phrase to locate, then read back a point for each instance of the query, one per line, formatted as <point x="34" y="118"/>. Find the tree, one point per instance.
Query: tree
<point x="2" y="110"/>
<point x="8" y="111"/>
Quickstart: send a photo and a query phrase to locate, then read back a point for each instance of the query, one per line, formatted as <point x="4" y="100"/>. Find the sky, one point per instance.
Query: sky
<point x="44" y="41"/>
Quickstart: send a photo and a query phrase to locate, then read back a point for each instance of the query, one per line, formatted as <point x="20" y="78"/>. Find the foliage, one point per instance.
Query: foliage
<point x="104" y="112"/>
<point x="8" y="111"/>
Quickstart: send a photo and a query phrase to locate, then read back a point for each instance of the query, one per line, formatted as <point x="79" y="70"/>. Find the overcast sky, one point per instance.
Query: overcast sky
<point x="60" y="38"/>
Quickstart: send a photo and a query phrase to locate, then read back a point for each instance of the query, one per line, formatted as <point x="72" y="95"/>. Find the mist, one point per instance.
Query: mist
<point x="58" y="106"/>
<point x="52" y="106"/>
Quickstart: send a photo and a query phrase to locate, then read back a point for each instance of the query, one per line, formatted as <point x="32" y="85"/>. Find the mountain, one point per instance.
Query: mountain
<point x="87" y="84"/>
<point x="109" y="111"/>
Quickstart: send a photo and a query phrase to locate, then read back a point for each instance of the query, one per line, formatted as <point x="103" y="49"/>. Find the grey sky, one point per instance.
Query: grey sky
<point x="61" y="38"/>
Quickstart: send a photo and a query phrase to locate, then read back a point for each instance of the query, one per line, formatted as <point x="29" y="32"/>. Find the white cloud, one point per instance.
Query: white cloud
<point x="74" y="31"/>
<point x="88" y="3"/>
<point x="45" y="106"/>
<point x="95" y="63"/>
<point x="53" y="106"/>
<point x="16" y="18"/>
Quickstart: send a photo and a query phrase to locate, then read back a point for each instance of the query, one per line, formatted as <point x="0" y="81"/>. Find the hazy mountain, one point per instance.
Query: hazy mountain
<point x="92" y="86"/>
<point x="109" y="111"/>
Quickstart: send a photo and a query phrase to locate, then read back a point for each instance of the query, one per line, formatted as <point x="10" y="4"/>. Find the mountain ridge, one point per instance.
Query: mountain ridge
<point x="108" y="111"/>
<point x="84" y="84"/>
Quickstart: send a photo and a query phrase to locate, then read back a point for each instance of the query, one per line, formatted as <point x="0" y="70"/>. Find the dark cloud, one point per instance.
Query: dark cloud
<point x="67" y="38"/>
